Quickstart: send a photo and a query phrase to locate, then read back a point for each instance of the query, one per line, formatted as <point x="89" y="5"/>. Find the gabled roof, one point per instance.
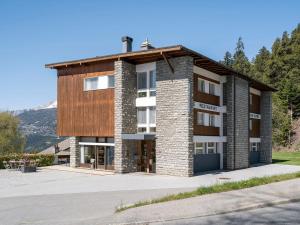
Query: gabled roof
<point x="144" y="56"/>
<point x="63" y="148"/>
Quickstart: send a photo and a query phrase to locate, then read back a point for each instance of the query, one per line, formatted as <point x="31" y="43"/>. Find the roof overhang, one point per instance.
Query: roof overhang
<point x="138" y="57"/>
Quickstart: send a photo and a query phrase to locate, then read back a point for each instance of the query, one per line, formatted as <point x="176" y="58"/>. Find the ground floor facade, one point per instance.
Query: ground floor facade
<point x="209" y="153"/>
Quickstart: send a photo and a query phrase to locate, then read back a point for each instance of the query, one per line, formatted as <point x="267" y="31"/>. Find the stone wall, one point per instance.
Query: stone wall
<point x="266" y="127"/>
<point x="237" y="123"/>
<point x="174" y="132"/>
<point x="125" y="116"/>
<point x="74" y="152"/>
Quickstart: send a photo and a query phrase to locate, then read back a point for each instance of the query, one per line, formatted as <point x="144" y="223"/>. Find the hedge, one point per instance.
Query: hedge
<point x="44" y="160"/>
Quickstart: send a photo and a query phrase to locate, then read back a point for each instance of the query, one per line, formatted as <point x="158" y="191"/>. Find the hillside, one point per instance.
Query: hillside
<point x="39" y="127"/>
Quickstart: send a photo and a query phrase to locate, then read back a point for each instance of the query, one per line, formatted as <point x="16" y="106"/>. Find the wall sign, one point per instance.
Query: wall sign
<point x="204" y="106"/>
<point x="255" y="116"/>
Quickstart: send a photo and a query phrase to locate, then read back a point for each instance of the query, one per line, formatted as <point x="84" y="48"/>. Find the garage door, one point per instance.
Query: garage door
<point x="254" y="152"/>
<point x="206" y="162"/>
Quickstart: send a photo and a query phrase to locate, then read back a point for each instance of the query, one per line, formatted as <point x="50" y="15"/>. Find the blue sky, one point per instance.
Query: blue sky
<point x="33" y="33"/>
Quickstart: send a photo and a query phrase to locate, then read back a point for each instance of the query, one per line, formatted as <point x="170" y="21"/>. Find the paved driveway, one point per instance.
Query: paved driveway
<point x="60" y="197"/>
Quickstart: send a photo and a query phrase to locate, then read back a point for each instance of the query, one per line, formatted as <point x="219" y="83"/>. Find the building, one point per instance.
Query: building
<point x="166" y="110"/>
<point x="61" y="152"/>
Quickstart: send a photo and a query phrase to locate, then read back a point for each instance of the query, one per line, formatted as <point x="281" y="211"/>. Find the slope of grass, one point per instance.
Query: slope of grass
<point x="290" y="158"/>
<point x="229" y="186"/>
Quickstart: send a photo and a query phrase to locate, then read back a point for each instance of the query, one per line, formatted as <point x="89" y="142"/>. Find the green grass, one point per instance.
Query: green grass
<point x="229" y="186"/>
<point x="290" y="158"/>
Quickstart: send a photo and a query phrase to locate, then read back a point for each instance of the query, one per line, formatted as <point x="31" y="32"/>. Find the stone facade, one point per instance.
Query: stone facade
<point x="125" y="116"/>
<point x="74" y="151"/>
<point x="237" y="123"/>
<point x="266" y="127"/>
<point x="174" y="130"/>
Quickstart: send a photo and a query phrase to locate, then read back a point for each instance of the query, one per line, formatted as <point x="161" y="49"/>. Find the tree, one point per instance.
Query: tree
<point x="11" y="139"/>
<point x="240" y="61"/>
<point x="228" y="60"/>
<point x="260" y="67"/>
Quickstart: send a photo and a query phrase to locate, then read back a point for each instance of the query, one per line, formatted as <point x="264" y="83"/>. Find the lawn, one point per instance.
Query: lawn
<point x="217" y="188"/>
<point x="290" y="158"/>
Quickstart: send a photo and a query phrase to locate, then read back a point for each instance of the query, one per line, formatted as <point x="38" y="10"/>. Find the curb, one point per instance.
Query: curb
<point x="250" y="207"/>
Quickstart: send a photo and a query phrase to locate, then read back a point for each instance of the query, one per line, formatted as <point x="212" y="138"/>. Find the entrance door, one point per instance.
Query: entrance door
<point x="147" y="157"/>
<point x="100" y="157"/>
<point x="109" y="157"/>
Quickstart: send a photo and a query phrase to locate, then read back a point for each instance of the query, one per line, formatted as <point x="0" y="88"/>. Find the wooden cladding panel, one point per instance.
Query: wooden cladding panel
<point x="204" y="130"/>
<point x="84" y="113"/>
<point x="204" y="97"/>
<point x="255" y="106"/>
<point x="255" y="132"/>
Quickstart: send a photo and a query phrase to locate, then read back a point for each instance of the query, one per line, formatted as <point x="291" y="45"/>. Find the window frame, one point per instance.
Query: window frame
<point x="203" y="118"/>
<point x="214" y="148"/>
<point x="200" y="80"/>
<point x="211" y="120"/>
<point x="211" y="84"/>
<point x="106" y="86"/>
<point x="148" y="91"/>
<point x="146" y="125"/>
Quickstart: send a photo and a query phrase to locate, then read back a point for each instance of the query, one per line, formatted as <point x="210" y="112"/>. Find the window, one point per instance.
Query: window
<point x="211" y="147"/>
<point x="152" y="115"/>
<point x="201" y="85"/>
<point x="100" y="82"/>
<point x="146" y="83"/>
<point x="91" y="83"/>
<point x="254" y="146"/>
<point x="205" y="148"/>
<point x="250" y="124"/>
<point x="111" y="81"/>
<point x="211" y="88"/>
<point x="200" y="148"/>
<point x="212" y="120"/>
<point x="200" y="118"/>
<point x="251" y="99"/>
<point x="142" y="115"/>
<point x="146" y="119"/>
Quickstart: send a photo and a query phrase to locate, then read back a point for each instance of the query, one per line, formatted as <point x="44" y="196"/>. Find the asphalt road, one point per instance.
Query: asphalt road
<point x="279" y="214"/>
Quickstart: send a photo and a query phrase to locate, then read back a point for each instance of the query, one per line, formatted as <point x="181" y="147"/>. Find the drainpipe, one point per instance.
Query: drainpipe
<point x="234" y="116"/>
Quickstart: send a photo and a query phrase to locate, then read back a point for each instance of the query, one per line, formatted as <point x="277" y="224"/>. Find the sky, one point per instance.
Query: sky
<point x="34" y="33"/>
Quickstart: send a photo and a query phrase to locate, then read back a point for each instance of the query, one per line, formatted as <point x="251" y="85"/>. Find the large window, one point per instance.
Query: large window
<point x="146" y="83"/>
<point x="212" y="120"/>
<point x="205" y="148"/>
<point x="200" y="118"/>
<point x="100" y="82"/>
<point x="146" y="118"/>
<point x="212" y="90"/>
<point x="201" y="85"/>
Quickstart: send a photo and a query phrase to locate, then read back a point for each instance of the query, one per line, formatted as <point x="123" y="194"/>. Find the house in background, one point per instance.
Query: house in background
<point x="167" y="110"/>
<point x="61" y="152"/>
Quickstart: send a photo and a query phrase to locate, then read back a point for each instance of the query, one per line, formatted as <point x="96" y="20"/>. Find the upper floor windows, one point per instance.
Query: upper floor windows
<point x="208" y="87"/>
<point x="207" y="119"/>
<point x="146" y="119"/>
<point x="100" y="82"/>
<point x="146" y="84"/>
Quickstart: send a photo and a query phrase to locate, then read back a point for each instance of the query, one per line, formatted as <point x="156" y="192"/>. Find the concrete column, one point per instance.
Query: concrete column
<point x="74" y="152"/>
<point x="266" y="127"/>
<point x="125" y="115"/>
<point x="174" y="110"/>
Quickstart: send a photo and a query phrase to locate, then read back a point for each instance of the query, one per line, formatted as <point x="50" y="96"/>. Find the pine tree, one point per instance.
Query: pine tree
<point x="240" y="60"/>
<point x="228" y="60"/>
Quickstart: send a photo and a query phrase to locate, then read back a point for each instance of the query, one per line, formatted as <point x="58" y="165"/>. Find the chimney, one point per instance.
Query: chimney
<point x="146" y="45"/>
<point x="127" y="44"/>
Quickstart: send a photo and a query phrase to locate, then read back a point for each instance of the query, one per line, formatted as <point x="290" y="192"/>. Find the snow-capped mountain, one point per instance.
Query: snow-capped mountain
<point x="50" y="105"/>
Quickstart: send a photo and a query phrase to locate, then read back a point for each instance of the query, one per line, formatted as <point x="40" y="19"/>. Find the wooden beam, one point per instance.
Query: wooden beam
<point x="168" y="62"/>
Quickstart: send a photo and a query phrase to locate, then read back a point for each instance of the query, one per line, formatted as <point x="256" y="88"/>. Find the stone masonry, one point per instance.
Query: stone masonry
<point x="237" y="123"/>
<point x="74" y="152"/>
<point x="125" y="116"/>
<point x="174" y="131"/>
<point x="266" y="127"/>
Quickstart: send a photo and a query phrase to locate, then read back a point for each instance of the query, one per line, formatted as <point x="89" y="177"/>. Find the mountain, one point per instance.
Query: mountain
<point x="39" y="126"/>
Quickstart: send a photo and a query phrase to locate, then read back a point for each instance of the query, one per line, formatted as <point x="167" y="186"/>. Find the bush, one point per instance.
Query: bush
<point x="44" y="160"/>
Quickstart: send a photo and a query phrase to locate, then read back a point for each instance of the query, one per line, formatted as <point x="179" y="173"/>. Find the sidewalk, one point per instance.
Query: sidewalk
<point x="78" y="170"/>
<point x="213" y="204"/>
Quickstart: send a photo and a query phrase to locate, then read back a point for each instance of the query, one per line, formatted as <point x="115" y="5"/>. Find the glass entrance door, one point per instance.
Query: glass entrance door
<point x="100" y="153"/>
<point x="109" y="157"/>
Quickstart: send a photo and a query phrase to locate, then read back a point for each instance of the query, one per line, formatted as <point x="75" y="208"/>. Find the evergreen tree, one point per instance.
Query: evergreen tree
<point x="240" y="60"/>
<point x="261" y="65"/>
<point x="228" y="60"/>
